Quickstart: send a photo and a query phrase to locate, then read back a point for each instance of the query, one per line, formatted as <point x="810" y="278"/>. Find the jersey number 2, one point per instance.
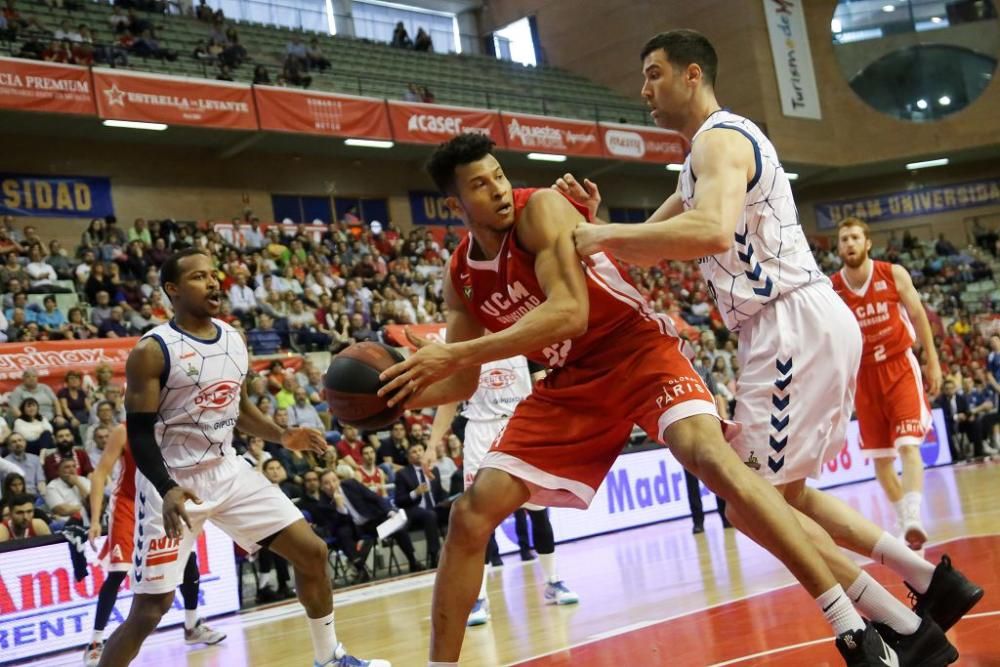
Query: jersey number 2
<point x="880" y="353"/>
<point x="555" y="355"/>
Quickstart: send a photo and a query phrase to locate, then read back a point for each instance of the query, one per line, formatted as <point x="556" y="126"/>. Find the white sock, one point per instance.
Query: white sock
<point x="190" y="618"/>
<point x="97" y="637"/>
<point x="482" y="587"/>
<point x="898" y="557"/>
<point x="900" y="506"/>
<point x="837" y="609"/>
<point x="269" y="580"/>
<point x="324" y="638"/>
<point x="914" y="499"/>
<point x="880" y="605"/>
<point x="548" y="563"/>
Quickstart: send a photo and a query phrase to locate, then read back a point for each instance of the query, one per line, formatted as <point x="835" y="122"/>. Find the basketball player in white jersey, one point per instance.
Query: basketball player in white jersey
<point x="799" y="345"/>
<point x="184" y="397"/>
<point x="502" y="385"/>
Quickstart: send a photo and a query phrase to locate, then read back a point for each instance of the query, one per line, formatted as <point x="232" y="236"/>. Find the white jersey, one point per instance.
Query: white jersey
<point x="199" y="393"/>
<point x="502" y="385"/>
<point x="770" y="255"/>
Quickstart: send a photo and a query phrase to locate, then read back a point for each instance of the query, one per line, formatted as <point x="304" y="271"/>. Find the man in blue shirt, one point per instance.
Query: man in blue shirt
<point x="264" y="339"/>
<point x="52" y="319"/>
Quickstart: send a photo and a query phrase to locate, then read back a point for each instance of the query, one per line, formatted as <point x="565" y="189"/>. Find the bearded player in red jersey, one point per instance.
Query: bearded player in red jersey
<point x="892" y="410"/>
<point x="613" y="362"/>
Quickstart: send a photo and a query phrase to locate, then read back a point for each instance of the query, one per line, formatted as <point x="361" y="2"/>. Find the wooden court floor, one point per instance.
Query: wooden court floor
<point x="650" y="596"/>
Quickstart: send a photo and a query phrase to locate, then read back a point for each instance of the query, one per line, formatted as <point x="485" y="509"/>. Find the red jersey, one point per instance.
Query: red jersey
<point x="885" y="325"/>
<point x="29" y="532"/>
<point x="125" y="488"/>
<point x="372" y="481"/>
<point x="502" y="290"/>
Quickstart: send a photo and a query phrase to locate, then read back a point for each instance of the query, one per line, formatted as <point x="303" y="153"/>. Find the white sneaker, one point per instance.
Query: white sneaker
<point x="202" y="634"/>
<point x="557" y="593"/>
<point x="480" y="614"/>
<point x="92" y="655"/>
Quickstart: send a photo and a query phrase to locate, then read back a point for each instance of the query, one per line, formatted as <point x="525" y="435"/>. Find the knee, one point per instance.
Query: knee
<point x="149" y="609"/>
<point x="311" y="557"/>
<point x="468" y="526"/>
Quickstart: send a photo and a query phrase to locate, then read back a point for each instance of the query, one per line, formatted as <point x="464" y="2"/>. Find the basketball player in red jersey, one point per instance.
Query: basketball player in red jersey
<point x="892" y="410"/>
<point x="517" y="275"/>
<point x="116" y="554"/>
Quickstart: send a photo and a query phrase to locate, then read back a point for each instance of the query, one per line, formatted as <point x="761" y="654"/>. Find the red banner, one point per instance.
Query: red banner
<point x="396" y="333"/>
<point x="52" y="359"/>
<point x="545" y="134"/>
<point x="289" y="110"/>
<point x="39" y="86"/>
<point x="646" y="144"/>
<point x="173" y="100"/>
<point x="432" y="123"/>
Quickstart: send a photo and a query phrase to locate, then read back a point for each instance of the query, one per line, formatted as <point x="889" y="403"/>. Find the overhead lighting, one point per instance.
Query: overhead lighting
<point x="888" y="8"/>
<point x="936" y="19"/>
<point x="836" y="26"/>
<point x="791" y="175"/>
<point x="939" y="162"/>
<point x="546" y="157"/>
<point x="921" y="104"/>
<point x="944" y="100"/>
<point x="675" y="167"/>
<point x="136" y="125"/>
<point x="368" y="143"/>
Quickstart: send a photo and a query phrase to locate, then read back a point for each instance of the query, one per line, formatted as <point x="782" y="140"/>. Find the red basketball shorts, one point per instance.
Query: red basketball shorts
<point x="563" y="439"/>
<point x="117" y="550"/>
<point x="891" y="406"/>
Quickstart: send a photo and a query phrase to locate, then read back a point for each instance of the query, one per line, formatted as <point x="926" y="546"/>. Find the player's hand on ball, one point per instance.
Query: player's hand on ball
<point x="422" y="369"/>
<point x="304" y="440"/>
<point x="585" y="193"/>
<point x="175" y="517"/>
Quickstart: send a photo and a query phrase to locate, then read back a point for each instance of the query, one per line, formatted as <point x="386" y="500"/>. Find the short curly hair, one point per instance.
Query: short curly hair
<point x="463" y="149"/>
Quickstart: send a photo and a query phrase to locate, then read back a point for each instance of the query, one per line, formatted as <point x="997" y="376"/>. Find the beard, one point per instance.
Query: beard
<point x="855" y="262"/>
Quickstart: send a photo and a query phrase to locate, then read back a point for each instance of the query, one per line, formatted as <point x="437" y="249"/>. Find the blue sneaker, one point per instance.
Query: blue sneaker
<point x="341" y="659"/>
<point x="557" y="593"/>
<point x="480" y="613"/>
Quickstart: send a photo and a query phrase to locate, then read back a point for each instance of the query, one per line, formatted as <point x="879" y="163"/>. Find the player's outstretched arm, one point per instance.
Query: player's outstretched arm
<point x="915" y="309"/>
<point x="588" y="194"/>
<point x="456" y="382"/>
<point x="255" y="422"/>
<point x="724" y="162"/>
<point x="142" y="401"/>
<point x="546" y="231"/>
<point x="112" y="452"/>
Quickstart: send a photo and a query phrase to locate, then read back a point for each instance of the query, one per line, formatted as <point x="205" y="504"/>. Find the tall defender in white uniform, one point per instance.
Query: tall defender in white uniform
<point x="799" y="345"/>
<point x="502" y="385"/>
<point x="185" y="395"/>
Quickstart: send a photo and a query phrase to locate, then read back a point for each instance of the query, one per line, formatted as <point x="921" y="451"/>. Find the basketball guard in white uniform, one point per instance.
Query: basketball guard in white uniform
<point x="184" y="397"/>
<point x="799" y="346"/>
<point x="502" y="385"/>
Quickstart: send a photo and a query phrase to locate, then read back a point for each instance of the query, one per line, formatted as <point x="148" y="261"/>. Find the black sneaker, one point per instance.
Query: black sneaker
<point x="927" y="647"/>
<point x="949" y="597"/>
<point x="865" y="648"/>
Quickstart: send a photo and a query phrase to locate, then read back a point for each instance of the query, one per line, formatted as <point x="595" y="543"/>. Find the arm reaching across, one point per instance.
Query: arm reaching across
<point x="546" y="231"/>
<point x="106" y="464"/>
<point x="724" y="162"/>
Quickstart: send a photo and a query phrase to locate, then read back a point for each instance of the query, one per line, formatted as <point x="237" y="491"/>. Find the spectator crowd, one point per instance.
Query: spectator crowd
<point x="295" y="295"/>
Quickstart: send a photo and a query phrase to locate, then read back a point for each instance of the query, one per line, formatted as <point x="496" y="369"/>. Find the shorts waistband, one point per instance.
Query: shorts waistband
<point x="206" y="468"/>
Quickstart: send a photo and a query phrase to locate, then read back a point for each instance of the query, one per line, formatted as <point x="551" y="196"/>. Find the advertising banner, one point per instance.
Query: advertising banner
<point x="52" y="359"/>
<point x="432" y="123"/>
<point x="909" y="203"/>
<point x="173" y="100"/>
<point x="55" y="196"/>
<point x="793" y="66"/>
<point x="44" y="609"/>
<point x="27" y="85"/>
<point x="544" y="134"/>
<point x="304" y="111"/>
<point x="644" y="144"/>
